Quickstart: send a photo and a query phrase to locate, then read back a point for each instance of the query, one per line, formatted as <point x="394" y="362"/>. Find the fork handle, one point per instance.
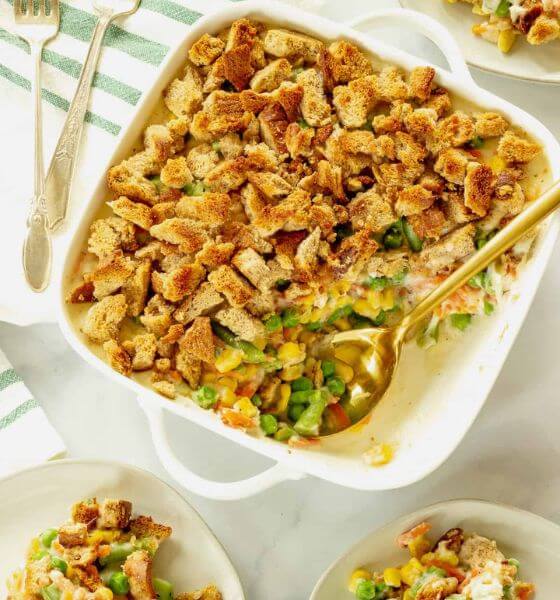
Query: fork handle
<point x="37" y="245"/>
<point x="59" y="176"/>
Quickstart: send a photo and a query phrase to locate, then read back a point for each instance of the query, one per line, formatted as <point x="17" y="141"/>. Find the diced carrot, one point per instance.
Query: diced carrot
<point x="525" y="590"/>
<point x="232" y="418"/>
<point x="338" y="417"/>
<point x="406" y="537"/>
<point x="303" y="442"/>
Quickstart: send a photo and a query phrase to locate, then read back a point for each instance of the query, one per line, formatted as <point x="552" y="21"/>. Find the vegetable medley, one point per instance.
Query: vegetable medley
<point x="101" y="553"/>
<point x="537" y="20"/>
<point x="293" y="189"/>
<point x="458" y="566"/>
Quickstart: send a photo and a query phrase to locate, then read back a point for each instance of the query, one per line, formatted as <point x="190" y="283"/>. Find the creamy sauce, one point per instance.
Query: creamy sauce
<point x="487" y="585"/>
<point x="516" y="10"/>
<point x="490" y="6"/>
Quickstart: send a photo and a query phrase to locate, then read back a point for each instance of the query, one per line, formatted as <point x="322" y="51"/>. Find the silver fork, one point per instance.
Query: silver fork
<point x="59" y="176"/>
<point x="37" y="23"/>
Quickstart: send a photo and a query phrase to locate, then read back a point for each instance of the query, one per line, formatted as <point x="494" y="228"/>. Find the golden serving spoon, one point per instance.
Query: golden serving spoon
<point x="377" y="350"/>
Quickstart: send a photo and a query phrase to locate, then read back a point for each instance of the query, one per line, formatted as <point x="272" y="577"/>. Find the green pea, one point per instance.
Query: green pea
<point x="393" y="237"/>
<point x="39" y="555"/>
<point x="284" y="434"/>
<point x="216" y="146"/>
<point x="328" y="367"/>
<point x="365" y="590"/>
<point x="295" y="411"/>
<point x="303" y="124"/>
<point x="301" y="384"/>
<point x="314" y="326"/>
<point x="194" y="189"/>
<point x="503" y="8"/>
<point x="461" y="320"/>
<point x="273" y="323"/>
<point x="48" y="536"/>
<point x="301" y="397"/>
<point x="118" y="583"/>
<point x="290" y="318"/>
<point x="269" y="424"/>
<point x="163" y="589"/>
<point x="59" y="564"/>
<point x="336" y="386"/>
<point x="206" y="396"/>
<point x="377" y="283"/>
<point x="282" y="284"/>
<point x="476" y="142"/>
<point x="256" y="400"/>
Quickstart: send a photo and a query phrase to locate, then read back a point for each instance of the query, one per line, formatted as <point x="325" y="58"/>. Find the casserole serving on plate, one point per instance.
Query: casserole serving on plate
<point x="530" y="540"/>
<point x="336" y="459"/>
<point x="36" y="501"/>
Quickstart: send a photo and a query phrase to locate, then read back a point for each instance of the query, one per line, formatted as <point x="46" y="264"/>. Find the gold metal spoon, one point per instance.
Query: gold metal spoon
<point x="378" y="350"/>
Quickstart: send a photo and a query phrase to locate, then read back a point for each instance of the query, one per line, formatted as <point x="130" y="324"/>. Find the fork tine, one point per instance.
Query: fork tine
<point x="54" y="9"/>
<point x="18" y="8"/>
<point x="42" y="9"/>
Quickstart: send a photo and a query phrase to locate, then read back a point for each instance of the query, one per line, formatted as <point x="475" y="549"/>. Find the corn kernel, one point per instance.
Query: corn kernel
<point x="343" y="324"/>
<point x="408" y="595"/>
<point x="388" y="299"/>
<point x="285" y="392"/>
<point x="411" y="571"/>
<point x="103" y="593"/>
<point x="260" y="342"/>
<point x="228" y="382"/>
<point x="348" y="353"/>
<point x="344" y="371"/>
<point x="497" y="164"/>
<point x="506" y="40"/>
<point x="364" y="308"/>
<point x="374" y="298"/>
<point x="292" y="373"/>
<point x="208" y="377"/>
<point x="357" y="576"/>
<point x="447" y="556"/>
<point x="478" y="11"/>
<point x="291" y="353"/>
<point x="477" y="29"/>
<point x="227" y="398"/>
<point x="418" y="546"/>
<point x="228" y="360"/>
<point x="378" y="455"/>
<point x="392" y="577"/>
<point x="246" y="407"/>
<point x="251" y="372"/>
<point x="428" y="558"/>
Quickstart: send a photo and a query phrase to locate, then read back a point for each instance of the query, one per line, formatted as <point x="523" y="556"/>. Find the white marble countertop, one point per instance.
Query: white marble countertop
<point x="282" y="540"/>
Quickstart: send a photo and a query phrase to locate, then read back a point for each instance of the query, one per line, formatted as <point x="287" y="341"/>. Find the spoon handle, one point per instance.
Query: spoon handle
<point x="536" y="212"/>
<point x="59" y="176"/>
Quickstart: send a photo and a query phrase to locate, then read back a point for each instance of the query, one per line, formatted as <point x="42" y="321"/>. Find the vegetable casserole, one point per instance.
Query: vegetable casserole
<point x="538" y="21"/>
<point x="285" y="190"/>
<point x="459" y="566"/>
<point x="100" y="553"/>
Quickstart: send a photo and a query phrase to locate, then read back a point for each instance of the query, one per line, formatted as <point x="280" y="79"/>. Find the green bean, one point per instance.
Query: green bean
<point x="118" y="553"/>
<point x="163" y="589"/>
<point x="503" y="8"/>
<point x="251" y="352"/>
<point x="310" y="420"/>
<point x="59" y="564"/>
<point x="51" y="592"/>
<point x="414" y="241"/>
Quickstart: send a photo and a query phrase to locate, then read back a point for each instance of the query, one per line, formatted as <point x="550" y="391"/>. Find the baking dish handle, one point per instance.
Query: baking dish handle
<point x="427" y="26"/>
<point x="215" y="490"/>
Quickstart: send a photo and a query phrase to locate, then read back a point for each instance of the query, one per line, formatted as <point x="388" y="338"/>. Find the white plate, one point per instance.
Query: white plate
<point x="41" y="497"/>
<point x="534" y="541"/>
<point x="534" y="63"/>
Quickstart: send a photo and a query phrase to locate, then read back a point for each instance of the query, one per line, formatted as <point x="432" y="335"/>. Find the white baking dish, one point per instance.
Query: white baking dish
<point x="532" y="540"/>
<point x="438" y="393"/>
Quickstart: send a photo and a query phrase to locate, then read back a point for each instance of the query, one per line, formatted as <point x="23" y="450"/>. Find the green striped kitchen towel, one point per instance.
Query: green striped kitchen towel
<point x="133" y="49"/>
<point x="26" y="436"/>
